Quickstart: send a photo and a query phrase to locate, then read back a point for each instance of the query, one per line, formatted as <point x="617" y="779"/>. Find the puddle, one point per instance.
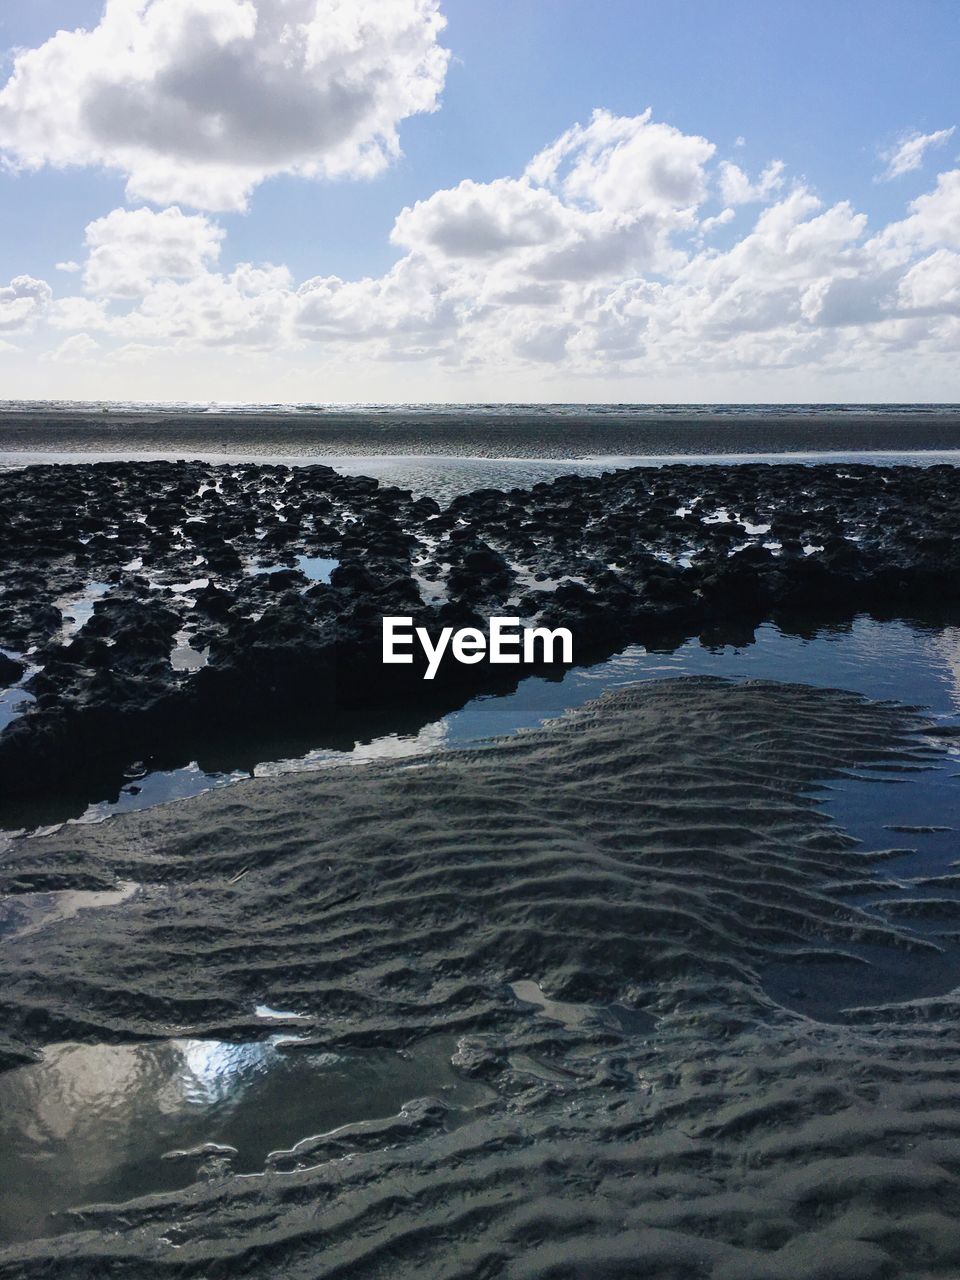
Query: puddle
<point x="183" y="657"/>
<point x="909" y="663"/>
<point x="315" y="568"/>
<point x="13" y="703"/>
<point x="574" y="1016"/>
<point x="917" y="892"/>
<point x="24" y="913"/>
<point x="93" y="1123"/>
<point x="77" y="610"/>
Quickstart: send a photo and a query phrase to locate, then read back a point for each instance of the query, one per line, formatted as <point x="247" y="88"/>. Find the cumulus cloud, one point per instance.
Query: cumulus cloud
<point x="932" y="285"/>
<point x="249" y="307"/>
<point x="198" y="101"/>
<point x="718" y="220"/>
<point x="593" y="261"/>
<point x="736" y="187"/>
<point x="934" y="218"/>
<point x="77" y="349"/>
<point x="22" y="302"/>
<point x="602" y="201"/>
<point x="483" y="220"/>
<point x="626" y="164"/>
<point x="130" y="248"/>
<point x="909" y="153"/>
<point x="79" y="313"/>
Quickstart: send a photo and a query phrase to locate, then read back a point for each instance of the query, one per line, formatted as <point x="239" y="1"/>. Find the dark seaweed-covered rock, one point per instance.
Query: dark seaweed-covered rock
<point x="10" y="670"/>
<point x="108" y="570"/>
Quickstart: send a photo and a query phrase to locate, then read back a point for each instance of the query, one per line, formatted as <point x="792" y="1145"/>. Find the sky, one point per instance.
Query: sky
<point x="479" y="200"/>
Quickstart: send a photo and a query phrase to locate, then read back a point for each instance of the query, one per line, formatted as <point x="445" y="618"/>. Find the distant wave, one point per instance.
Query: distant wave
<point x="480" y="410"/>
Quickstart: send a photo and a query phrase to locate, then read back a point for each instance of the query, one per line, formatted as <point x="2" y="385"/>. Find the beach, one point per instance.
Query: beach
<point x="648" y="954"/>
<point x="546" y="431"/>
<point x="479" y="641"/>
<point x="603" y="924"/>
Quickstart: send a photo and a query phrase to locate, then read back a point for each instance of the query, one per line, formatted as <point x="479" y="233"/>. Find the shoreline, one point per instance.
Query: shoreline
<point x="519" y="434"/>
<point x="151" y="607"/>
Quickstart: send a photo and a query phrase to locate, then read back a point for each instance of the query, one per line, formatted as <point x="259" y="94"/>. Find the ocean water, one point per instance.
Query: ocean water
<point x="478" y="408"/>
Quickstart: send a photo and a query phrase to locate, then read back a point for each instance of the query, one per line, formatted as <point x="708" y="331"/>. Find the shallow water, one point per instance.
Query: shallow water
<point x="99" y="1123"/>
<point x="886" y="660"/>
<point x="444" y="477"/>
<point x="26" y="913"/>
<point x="92" y="1123"/>
<point x="13" y="702"/>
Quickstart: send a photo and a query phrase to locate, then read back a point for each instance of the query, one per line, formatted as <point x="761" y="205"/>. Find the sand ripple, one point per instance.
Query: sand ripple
<point x="652" y="853"/>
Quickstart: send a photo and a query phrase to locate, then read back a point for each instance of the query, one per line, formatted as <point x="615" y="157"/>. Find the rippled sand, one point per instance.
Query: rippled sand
<point x="592" y="908"/>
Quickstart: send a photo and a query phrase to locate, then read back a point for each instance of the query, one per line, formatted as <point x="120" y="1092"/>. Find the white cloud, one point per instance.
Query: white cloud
<point x="198" y="101"/>
<point x="483" y="220"/>
<point x="584" y="265"/>
<point x="131" y="248"/>
<point x="248" y="308"/>
<point x="625" y="164"/>
<point x="910" y="151"/>
<point x="934" y="221"/>
<point x="736" y="187"/>
<point x="22" y="302"/>
<point x="77" y="349"/>
<point x="69" y="267"/>
<point x="602" y="201"/>
<point x="718" y="220"/>
<point x="79" y="313"/>
<point x="932" y="285"/>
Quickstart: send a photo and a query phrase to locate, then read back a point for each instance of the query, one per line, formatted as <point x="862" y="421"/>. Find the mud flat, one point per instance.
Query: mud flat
<point x="591" y="911"/>
<point x="546" y="431"/>
<point x="146" y="608"/>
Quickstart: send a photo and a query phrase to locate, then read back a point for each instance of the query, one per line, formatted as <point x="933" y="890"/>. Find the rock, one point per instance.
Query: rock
<point x="10" y="671"/>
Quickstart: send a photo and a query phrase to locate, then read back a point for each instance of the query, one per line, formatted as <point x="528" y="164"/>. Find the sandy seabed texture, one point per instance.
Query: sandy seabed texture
<point x="657" y="852"/>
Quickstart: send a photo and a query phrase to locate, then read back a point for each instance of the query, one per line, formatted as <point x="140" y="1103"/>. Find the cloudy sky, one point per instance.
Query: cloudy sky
<point x="422" y="200"/>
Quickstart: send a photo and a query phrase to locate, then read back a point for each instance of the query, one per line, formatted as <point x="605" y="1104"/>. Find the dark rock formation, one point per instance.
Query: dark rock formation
<point x="157" y="602"/>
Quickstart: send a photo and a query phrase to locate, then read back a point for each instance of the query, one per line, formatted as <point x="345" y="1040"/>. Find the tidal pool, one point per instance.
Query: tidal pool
<point x="101" y="1123"/>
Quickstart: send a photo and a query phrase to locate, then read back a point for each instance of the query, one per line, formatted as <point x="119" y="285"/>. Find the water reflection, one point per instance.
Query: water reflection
<point x="93" y="1123"/>
<point x="27" y="913"/>
<point x="445" y="476"/>
<point x="904" y="661"/>
<point x="947" y="646"/>
<point x="13" y="703"/>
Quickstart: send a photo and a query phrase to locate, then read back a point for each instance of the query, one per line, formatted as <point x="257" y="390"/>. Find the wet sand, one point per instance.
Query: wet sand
<point x="521" y="432"/>
<point x="593" y="910"/>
